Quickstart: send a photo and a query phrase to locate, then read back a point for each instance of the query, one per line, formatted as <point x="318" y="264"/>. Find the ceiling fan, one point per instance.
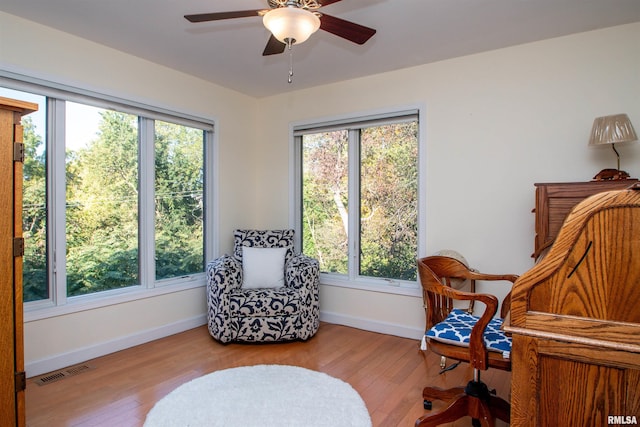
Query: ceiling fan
<point x="293" y="21"/>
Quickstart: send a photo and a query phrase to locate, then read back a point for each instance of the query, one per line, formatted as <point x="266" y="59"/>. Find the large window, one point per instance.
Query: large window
<point x="34" y="203"/>
<point x="116" y="203"/>
<point x="179" y="185"/>
<point x="101" y="199"/>
<point x="358" y="189"/>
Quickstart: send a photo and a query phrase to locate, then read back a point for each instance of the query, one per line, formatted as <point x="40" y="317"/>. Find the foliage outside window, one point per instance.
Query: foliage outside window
<point x="179" y="190"/>
<point x="359" y="200"/>
<point x="101" y="202"/>
<point x="103" y="216"/>
<point x="34" y="206"/>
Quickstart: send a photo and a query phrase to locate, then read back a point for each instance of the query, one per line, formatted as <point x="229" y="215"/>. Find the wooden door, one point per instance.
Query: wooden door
<point x="11" y="319"/>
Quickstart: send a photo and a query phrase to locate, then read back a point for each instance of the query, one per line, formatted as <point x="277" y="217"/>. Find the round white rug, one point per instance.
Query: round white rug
<point x="262" y="395"/>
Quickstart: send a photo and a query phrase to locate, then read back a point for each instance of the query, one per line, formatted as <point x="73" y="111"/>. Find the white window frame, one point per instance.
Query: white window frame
<point x="353" y="122"/>
<point x="57" y="94"/>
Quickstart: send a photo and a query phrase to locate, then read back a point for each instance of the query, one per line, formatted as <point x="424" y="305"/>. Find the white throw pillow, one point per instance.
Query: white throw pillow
<point x="263" y="267"/>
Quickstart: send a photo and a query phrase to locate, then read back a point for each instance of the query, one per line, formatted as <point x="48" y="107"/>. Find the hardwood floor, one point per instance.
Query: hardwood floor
<point x="389" y="373"/>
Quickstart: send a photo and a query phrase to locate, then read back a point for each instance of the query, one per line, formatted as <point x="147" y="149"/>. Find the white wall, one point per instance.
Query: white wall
<point x="496" y="123"/>
<point x="44" y="53"/>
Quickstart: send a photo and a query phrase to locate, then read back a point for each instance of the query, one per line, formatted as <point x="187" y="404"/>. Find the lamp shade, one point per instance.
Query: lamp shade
<point x="612" y="130"/>
<point x="291" y="24"/>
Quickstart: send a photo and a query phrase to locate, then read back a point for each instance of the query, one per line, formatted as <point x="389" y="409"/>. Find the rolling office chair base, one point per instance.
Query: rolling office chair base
<point x="474" y="400"/>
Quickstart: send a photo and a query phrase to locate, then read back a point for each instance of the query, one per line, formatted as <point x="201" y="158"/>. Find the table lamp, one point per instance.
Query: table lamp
<point x="612" y="130"/>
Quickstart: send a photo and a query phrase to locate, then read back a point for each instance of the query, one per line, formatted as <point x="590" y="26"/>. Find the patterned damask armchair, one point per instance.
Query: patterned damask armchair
<point x="264" y="291"/>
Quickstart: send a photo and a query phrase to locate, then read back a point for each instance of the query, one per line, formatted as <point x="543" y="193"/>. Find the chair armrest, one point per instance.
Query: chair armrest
<point x="492" y="277"/>
<point x="224" y="274"/>
<point x="477" y="349"/>
<point x="506" y="306"/>
<point x="506" y="302"/>
<point x="489" y="300"/>
<point x="302" y="273"/>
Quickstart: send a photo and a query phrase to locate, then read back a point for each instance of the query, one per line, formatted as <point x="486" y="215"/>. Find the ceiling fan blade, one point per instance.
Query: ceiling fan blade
<point x="204" y="17"/>
<point x="347" y="30"/>
<point x="327" y="2"/>
<point x="273" y="47"/>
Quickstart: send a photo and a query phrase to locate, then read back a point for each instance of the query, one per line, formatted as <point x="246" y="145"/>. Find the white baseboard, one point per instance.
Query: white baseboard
<point x="42" y="366"/>
<point x="59" y="361"/>
<point x="372" y="325"/>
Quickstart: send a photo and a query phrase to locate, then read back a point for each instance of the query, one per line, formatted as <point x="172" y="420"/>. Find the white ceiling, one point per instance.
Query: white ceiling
<point x="229" y="52"/>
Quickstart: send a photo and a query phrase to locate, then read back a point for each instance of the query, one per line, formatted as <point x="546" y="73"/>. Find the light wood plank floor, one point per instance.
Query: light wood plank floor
<point x="389" y="373"/>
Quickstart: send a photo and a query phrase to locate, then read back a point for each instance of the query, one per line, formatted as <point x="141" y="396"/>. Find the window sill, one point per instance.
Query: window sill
<point x="395" y="287"/>
<point x="46" y="309"/>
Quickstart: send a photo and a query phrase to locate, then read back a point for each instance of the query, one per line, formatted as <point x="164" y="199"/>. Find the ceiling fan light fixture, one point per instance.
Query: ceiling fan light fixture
<point x="291" y="24"/>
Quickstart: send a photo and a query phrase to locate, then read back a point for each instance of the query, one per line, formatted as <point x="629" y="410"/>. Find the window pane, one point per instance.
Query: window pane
<point x="325" y="199"/>
<point x="34" y="198"/>
<point x="179" y="186"/>
<point x="389" y="201"/>
<point x="102" y="199"/>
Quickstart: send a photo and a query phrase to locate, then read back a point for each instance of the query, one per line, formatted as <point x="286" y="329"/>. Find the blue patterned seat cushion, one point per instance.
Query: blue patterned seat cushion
<point x="456" y="330"/>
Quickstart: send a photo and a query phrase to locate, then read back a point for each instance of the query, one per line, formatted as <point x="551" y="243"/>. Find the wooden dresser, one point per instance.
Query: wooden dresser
<point x="575" y="321"/>
<point x="554" y="201"/>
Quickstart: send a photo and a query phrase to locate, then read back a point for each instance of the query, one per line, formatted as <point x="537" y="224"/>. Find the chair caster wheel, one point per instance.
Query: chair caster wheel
<point x="427" y="405"/>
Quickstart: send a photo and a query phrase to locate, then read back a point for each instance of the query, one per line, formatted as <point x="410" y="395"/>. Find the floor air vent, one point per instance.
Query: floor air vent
<point x="62" y="374"/>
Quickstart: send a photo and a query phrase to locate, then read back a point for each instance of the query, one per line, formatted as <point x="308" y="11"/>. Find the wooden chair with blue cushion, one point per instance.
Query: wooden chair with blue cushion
<point x="457" y="334"/>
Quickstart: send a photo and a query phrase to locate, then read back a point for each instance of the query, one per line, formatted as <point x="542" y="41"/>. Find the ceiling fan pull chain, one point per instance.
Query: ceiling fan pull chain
<point x="290" y="79"/>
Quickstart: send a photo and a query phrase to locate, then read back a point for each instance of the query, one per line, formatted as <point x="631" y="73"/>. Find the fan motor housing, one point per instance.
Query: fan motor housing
<point x="304" y="4"/>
